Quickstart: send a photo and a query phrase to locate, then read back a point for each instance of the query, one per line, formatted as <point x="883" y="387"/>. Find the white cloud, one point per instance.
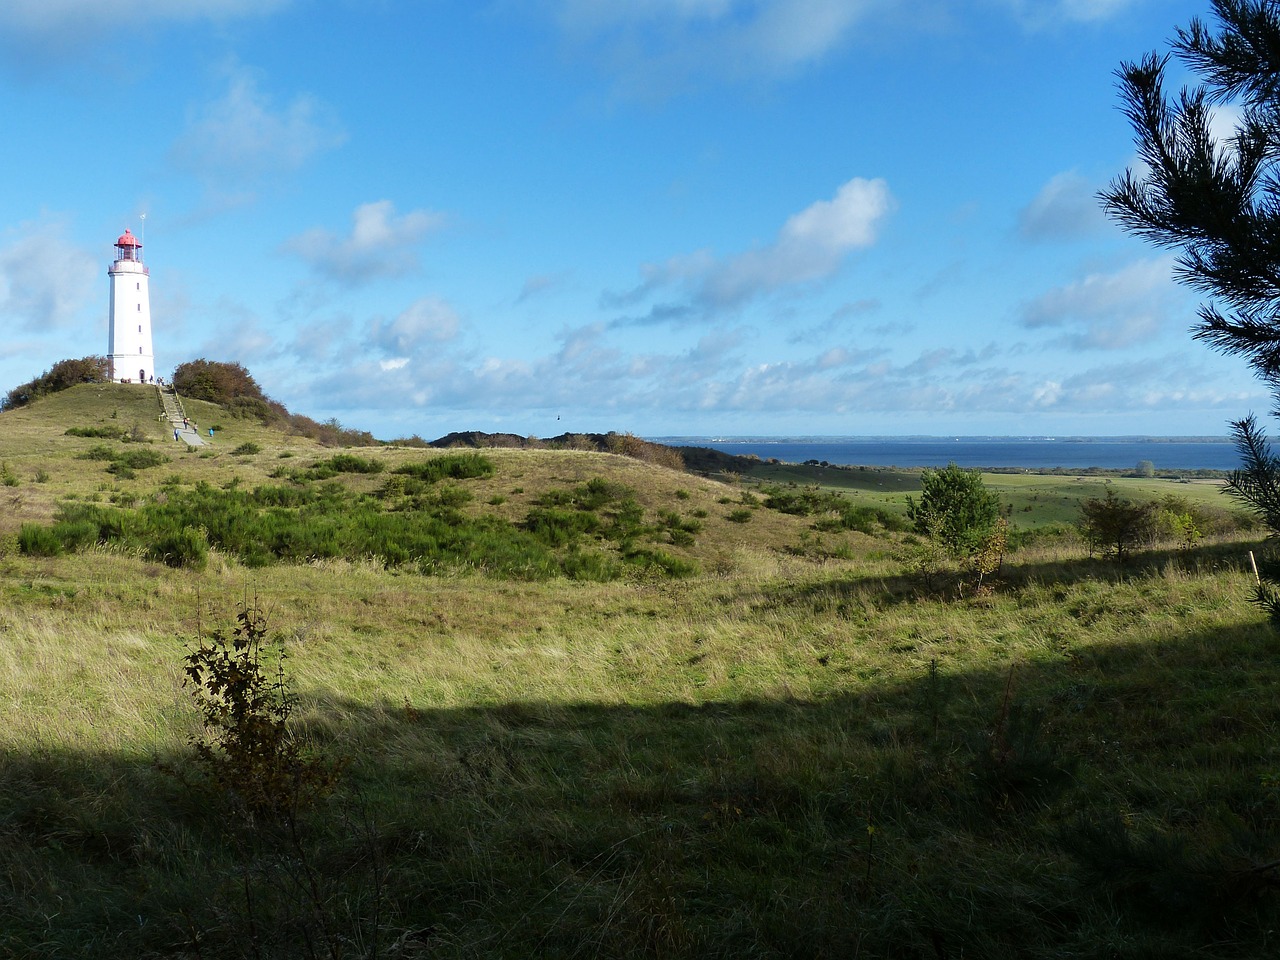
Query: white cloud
<point x="379" y="244"/>
<point x="540" y="285"/>
<point x="45" y="279"/>
<point x="591" y="379"/>
<point x="241" y="335"/>
<point x="427" y="321"/>
<point x="1108" y="310"/>
<point x="38" y="29"/>
<point x="1065" y="208"/>
<point x="654" y="46"/>
<point x="243" y="136"/>
<point x="810" y="246"/>
<point x="1047" y="13"/>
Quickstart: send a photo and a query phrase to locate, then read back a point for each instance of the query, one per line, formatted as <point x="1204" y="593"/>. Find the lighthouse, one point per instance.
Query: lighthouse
<point x="129" y="345"/>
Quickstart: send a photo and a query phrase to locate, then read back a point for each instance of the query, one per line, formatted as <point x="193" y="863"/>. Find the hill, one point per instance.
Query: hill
<point x="799" y="740"/>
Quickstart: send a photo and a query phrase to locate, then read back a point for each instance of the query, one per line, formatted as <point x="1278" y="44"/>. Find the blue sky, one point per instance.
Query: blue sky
<point x="673" y="217"/>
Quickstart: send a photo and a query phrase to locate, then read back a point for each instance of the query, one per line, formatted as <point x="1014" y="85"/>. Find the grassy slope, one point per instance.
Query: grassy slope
<point x="781" y="757"/>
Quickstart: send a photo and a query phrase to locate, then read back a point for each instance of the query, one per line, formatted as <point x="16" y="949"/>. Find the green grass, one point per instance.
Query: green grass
<point x="797" y="750"/>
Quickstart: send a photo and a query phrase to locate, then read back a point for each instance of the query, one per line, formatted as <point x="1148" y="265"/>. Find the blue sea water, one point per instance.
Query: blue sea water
<point x="1073" y="453"/>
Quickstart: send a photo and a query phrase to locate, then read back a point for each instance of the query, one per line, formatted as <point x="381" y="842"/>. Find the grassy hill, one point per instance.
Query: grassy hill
<point x="792" y="743"/>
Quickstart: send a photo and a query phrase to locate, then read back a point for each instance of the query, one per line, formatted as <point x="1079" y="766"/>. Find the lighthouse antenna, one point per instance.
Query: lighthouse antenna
<point x="142" y="230"/>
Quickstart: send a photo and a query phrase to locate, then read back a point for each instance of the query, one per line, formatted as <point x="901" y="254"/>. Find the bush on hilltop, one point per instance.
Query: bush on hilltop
<point x="231" y="386"/>
<point x="63" y="374"/>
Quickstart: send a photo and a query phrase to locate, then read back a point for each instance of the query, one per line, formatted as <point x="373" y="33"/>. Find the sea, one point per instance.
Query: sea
<point x="1032" y="453"/>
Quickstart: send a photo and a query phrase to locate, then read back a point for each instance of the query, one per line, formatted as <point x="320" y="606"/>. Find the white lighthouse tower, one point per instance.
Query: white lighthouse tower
<point x="129" y="347"/>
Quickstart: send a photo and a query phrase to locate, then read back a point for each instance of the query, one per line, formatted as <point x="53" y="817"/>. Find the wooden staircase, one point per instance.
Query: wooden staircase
<point x="171" y="404"/>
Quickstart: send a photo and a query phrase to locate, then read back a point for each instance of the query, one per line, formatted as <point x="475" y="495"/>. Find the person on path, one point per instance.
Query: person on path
<point x="175" y="433"/>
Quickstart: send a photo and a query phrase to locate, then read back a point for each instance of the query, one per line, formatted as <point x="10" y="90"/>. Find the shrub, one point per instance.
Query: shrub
<point x="100" y="433"/>
<point x="662" y="561"/>
<point x="98" y="452"/>
<point x="1116" y="525"/>
<point x="955" y="508"/>
<point x="37" y="541"/>
<point x="249" y="748"/>
<point x="246" y="449"/>
<point x="140" y="459"/>
<point x="597" y="492"/>
<point x="216" y="382"/>
<point x="629" y="445"/>
<point x="186" y="548"/>
<point x="590" y="566"/>
<point x="454" y="466"/>
<point x="557" y="527"/>
<point x="63" y="374"/>
<point x="349" y="463"/>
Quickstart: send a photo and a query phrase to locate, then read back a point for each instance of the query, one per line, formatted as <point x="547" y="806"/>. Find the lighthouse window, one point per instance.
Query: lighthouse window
<point x="138" y="285"/>
<point x="139" y="308"/>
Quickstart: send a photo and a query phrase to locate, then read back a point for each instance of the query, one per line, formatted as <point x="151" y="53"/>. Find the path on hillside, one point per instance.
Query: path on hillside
<point x="183" y="429"/>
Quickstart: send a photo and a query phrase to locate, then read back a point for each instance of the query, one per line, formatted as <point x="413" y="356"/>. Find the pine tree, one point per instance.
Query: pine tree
<point x="1218" y="205"/>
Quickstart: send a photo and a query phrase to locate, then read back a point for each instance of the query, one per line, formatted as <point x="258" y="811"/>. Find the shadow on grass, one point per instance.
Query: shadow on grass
<point x="830" y="593"/>
<point x="1118" y="804"/>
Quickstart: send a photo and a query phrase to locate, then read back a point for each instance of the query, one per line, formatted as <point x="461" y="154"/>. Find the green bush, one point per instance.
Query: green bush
<point x="140" y="459"/>
<point x="590" y="566"/>
<point x="1116" y="525"/>
<point x="557" y="527"/>
<point x="349" y="463"/>
<point x="98" y="452"/>
<point x="598" y="492"/>
<point x="187" y="548"/>
<point x="294" y="523"/>
<point x="863" y="519"/>
<point x="453" y="466"/>
<point x="101" y="433"/>
<point x="38" y="541"/>
<point x="246" y="449"/>
<point x="250" y="749"/>
<point x="661" y="561"/>
<point x="63" y="374"/>
<point x="955" y="509"/>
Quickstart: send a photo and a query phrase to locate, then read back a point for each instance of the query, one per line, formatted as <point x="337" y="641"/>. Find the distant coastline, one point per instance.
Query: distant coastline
<point x="997" y="452"/>
<point x="689" y="441"/>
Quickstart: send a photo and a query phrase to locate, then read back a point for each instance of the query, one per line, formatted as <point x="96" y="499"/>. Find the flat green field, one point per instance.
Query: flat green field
<point x="1033" y="500"/>
<point x="678" y="724"/>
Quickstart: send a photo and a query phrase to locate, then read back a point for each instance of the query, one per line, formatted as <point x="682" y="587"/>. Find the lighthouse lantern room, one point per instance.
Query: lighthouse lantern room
<point x="129" y="344"/>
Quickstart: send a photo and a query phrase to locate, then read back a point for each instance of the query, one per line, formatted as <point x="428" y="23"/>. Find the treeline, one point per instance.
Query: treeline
<point x="232" y="387"/>
<point x="63" y="374"/>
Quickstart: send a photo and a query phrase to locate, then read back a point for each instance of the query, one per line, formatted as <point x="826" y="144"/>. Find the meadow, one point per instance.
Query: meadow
<point x="697" y="726"/>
